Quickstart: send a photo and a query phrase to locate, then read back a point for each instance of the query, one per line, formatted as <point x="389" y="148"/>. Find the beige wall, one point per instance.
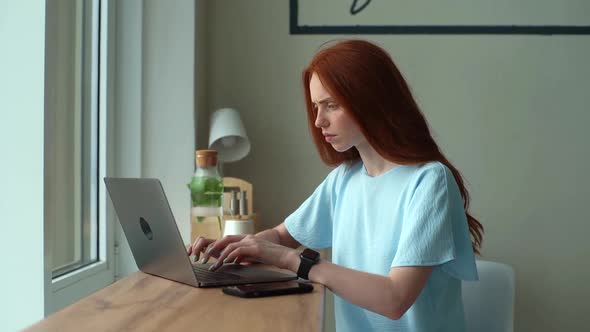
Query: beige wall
<point x="510" y="111"/>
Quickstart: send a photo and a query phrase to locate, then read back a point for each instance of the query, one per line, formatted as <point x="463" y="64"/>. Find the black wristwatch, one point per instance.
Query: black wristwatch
<point x="308" y="259"/>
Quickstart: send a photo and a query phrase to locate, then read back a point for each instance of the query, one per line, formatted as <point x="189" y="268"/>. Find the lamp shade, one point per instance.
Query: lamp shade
<point x="228" y="136"/>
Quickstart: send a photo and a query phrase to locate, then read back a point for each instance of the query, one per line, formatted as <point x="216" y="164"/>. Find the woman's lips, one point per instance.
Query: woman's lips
<point x="329" y="138"/>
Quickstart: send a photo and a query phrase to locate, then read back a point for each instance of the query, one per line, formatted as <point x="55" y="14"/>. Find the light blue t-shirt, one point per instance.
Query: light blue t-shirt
<point x="408" y="216"/>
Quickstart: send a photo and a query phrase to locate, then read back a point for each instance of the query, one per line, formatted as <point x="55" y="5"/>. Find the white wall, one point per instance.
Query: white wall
<point x="22" y="276"/>
<point x="169" y="102"/>
<point x="155" y="103"/>
<point x="511" y="112"/>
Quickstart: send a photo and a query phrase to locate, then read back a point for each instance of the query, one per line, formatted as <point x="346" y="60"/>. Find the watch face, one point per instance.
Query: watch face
<point x="310" y="254"/>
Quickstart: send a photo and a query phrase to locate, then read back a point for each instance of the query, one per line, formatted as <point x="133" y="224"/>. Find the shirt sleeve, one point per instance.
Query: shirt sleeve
<point x="311" y="223"/>
<point x="434" y="230"/>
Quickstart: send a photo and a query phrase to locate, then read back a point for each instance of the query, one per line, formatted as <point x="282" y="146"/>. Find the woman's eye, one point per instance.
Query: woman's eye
<point x="332" y="107"/>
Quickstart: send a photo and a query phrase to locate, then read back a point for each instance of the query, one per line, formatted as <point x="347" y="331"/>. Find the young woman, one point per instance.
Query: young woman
<point x="394" y="210"/>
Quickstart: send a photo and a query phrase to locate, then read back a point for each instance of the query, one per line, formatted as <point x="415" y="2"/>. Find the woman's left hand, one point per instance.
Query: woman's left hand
<point x="259" y="250"/>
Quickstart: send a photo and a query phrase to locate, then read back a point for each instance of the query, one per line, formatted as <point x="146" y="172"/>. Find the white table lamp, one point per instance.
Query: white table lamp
<point x="228" y="136"/>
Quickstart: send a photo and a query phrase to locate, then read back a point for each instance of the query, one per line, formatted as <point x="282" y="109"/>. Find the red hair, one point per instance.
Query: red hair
<point x="362" y="78"/>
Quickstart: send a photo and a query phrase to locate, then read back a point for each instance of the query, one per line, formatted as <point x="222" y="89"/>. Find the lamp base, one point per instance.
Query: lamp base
<point x="238" y="227"/>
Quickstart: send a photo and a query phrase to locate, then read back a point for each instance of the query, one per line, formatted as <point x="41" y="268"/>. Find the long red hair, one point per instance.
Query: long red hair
<point x="363" y="79"/>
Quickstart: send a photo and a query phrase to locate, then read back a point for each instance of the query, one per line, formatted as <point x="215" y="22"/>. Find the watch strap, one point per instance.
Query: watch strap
<point x="308" y="259"/>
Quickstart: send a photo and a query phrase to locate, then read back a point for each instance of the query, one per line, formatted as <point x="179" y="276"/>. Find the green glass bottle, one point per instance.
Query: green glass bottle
<point x="206" y="188"/>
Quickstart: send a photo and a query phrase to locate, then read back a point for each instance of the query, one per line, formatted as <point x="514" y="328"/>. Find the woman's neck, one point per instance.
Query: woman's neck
<point x="374" y="163"/>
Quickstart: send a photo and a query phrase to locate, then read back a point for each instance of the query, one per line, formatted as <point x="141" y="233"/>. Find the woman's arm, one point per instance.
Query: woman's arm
<point x="389" y="296"/>
<point x="279" y="235"/>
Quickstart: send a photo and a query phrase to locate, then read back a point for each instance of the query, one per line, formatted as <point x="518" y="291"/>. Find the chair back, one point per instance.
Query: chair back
<point x="489" y="302"/>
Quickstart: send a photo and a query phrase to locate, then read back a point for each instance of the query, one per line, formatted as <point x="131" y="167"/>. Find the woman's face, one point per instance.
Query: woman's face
<point x="338" y="128"/>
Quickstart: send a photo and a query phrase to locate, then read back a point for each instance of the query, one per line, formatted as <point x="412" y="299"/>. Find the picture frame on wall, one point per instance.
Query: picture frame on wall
<point x="532" y="17"/>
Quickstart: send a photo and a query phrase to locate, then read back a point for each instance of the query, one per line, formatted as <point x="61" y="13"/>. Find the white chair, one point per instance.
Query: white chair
<point x="489" y="302"/>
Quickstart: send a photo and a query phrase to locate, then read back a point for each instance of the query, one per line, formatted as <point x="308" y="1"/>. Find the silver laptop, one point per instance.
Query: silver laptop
<point x="156" y="244"/>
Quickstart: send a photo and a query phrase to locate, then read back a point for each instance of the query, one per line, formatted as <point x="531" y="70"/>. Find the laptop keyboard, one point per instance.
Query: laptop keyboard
<point x="203" y="274"/>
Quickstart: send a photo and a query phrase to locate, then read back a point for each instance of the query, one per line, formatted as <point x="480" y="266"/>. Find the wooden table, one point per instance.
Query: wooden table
<point x="141" y="302"/>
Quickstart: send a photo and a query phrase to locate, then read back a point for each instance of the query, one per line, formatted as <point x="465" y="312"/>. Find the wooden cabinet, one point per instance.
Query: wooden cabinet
<point x="209" y="226"/>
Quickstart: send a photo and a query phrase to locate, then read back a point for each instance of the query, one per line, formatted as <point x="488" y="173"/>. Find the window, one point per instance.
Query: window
<point x="79" y="240"/>
<point x="75" y="138"/>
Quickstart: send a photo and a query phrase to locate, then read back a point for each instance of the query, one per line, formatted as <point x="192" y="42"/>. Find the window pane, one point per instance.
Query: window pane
<point x="73" y="136"/>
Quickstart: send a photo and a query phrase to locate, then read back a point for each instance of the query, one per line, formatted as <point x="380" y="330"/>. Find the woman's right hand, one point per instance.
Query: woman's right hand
<point x="211" y="248"/>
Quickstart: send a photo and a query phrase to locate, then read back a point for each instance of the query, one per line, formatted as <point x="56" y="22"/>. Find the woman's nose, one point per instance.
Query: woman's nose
<point x="320" y="121"/>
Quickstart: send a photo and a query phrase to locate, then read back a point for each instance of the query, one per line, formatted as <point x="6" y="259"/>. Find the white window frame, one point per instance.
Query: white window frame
<point x="81" y="282"/>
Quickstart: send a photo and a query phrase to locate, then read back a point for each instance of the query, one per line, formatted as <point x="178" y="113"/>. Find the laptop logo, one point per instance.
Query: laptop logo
<point x="145" y="227"/>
